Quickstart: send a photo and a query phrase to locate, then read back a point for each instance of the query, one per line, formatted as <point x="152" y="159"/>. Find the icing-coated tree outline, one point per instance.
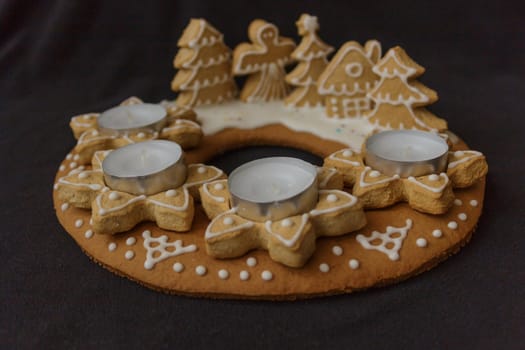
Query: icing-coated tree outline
<point x="400" y="99"/>
<point x="311" y="54"/>
<point x="204" y="66"/>
<point x="386" y="238"/>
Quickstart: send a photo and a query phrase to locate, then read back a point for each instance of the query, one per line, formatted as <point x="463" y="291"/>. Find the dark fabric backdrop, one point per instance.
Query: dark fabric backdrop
<point x="62" y="58"/>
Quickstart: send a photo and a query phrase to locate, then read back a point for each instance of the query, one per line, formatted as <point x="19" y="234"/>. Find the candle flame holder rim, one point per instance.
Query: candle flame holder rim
<point x="115" y="130"/>
<point x="406" y="168"/>
<point x="303" y="200"/>
<point x="306" y="187"/>
<point x="153" y="182"/>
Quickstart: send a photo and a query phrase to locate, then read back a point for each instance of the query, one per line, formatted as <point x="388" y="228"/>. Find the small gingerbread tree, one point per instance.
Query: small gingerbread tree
<point x="399" y="98"/>
<point x="204" y="64"/>
<point x="311" y="54"/>
<point x="263" y="60"/>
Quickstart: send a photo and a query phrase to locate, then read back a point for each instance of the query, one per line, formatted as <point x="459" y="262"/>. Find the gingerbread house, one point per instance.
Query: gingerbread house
<point x="348" y="78"/>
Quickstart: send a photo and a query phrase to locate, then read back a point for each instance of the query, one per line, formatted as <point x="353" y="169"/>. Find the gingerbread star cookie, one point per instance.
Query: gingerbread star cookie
<point x="431" y="193"/>
<point x="289" y="241"/>
<point x="181" y="128"/>
<point x="117" y="211"/>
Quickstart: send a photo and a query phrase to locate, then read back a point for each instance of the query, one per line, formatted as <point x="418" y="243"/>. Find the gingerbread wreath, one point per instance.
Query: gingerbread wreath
<point x="168" y="221"/>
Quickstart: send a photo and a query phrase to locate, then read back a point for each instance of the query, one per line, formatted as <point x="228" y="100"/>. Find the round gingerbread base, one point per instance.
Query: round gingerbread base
<point x="339" y="265"/>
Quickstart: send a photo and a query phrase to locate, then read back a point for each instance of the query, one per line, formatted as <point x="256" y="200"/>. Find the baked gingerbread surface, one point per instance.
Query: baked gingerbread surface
<point x="178" y="263"/>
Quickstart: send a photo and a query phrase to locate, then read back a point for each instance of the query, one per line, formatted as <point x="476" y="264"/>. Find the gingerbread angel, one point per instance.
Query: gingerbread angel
<point x="263" y="60"/>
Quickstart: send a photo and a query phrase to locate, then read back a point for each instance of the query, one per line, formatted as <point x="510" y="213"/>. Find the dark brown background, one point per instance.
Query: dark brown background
<point x="62" y="58"/>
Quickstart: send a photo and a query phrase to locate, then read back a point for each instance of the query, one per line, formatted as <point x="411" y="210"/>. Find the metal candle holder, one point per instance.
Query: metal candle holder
<point x="145" y="168"/>
<point x="273" y="188"/>
<point x="139" y="117"/>
<point x="406" y="153"/>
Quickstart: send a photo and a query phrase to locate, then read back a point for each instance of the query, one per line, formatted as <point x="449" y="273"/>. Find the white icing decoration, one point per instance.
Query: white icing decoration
<point x="130" y="254"/>
<point x="386" y="238"/>
<point x="474" y="203"/>
<point x="79" y="223"/>
<point x="83" y="175"/>
<point x="462" y="216"/>
<point x="223" y="274"/>
<point x="251" y="261"/>
<point x="69" y="156"/>
<point x="131" y="241"/>
<point x="291" y="241"/>
<point x="55" y="186"/>
<point x="459" y="154"/>
<point x="114" y="196"/>
<point x="218" y="187"/>
<point x="201" y="270"/>
<point x="347" y="153"/>
<point x="332" y="198"/>
<point x="104" y="211"/>
<point x="88" y="234"/>
<point x="429" y="188"/>
<point x="171" y="193"/>
<point x="287" y="223"/>
<point x="201" y="170"/>
<point x="161" y="245"/>
<point x="330" y="173"/>
<point x="452" y="225"/>
<point x="468" y="155"/>
<point x="227" y="221"/>
<point x="421" y="242"/>
<point x="458" y="202"/>
<point x="347" y="161"/>
<point x="324" y="267"/>
<point x="337" y="250"/>
<point x="93" y="187"/>
<point x="141" y="135"/>
<point x="218" y="173"/>
<point x="433" y="177"/>
<point x="183" y="207"/>
<point x="178" y="267"/>
<point x="237" y="114"/>
<point x="73" y="165"/>
<point x="437" y="233"/>
<point x="209" y="234"/>
<point x="351" y="202"/>
<point x="267" y="275"/>
<point x="180" y="124"/>
<point x="64" y="206"/>
<point x="76" y="157"/>
<point x="363" y="183"/>
<point x="353" y="264"/>
<point x="244" y="275"/>
<point x="112" y="246"/>
<point x="354" y="69"/>
<point x="374" y="173"/>
<point x="62" y="167"/>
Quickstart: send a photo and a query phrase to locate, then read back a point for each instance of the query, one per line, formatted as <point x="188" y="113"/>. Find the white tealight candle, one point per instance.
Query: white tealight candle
<point x="406" y="153"/>
<point x="273" y="188"/>
<point x="145" y="168"/>
<point x="136" y="117"/>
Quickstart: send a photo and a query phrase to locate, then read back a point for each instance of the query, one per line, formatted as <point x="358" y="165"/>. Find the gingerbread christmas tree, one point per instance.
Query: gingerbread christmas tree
<point x="263" y="60"/>
<point x="204" y="64"/>
<point x="399" y="98"/>
<point x="311" y="54"/>
<point x="347" y="79"/>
